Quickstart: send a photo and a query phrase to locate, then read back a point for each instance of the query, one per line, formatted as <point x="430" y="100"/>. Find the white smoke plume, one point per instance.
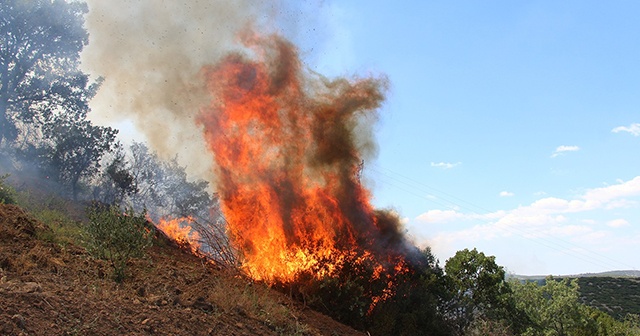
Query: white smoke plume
<point x="151" y="52"/>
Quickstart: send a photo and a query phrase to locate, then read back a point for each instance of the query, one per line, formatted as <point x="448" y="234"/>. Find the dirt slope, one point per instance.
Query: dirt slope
<point x="48" y="289"/>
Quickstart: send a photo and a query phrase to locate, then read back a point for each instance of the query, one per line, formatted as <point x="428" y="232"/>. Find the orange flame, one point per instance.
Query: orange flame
<point x="288" y="152"/>
<point x="181" y="232"/>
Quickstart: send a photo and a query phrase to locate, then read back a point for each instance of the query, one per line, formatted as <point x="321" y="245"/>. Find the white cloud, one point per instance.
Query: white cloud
<point x="614" y="193"/>
<point x="506" y="194"/>
<point x="617" y="223"/>
<point x="634" y="129"/>
<point x="563" y="149"/>
<point x="445" y="165"/>
<point x="546" y="218"/>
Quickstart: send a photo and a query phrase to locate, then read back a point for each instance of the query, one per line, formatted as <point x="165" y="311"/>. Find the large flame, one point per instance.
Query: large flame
<point x="288" y="152"/>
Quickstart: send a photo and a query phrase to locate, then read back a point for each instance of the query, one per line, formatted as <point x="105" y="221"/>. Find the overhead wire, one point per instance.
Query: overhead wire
<point x="452" y="202"/>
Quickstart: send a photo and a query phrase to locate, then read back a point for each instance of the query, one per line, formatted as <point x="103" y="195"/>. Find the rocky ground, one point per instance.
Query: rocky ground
<point x="49" y="288"/>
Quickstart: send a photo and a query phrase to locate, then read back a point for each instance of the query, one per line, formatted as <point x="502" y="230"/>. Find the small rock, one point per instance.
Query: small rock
<point x="203" y="305"/>
<point x="31" y="287"/>
<point x="18" y="320"/>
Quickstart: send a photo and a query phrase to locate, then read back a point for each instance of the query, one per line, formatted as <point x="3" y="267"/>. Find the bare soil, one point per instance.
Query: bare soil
<point x="48" y="288"/>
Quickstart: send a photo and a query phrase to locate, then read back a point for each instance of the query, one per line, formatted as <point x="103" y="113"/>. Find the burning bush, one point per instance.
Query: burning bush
<point x="289" y="147"/>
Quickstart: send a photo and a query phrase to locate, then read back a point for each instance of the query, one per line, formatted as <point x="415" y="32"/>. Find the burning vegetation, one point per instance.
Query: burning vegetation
<point x="288" y="149"/>
<point x="287" y="162"/>
<point x="180" y="230"/>
<point x="282" y="147"/>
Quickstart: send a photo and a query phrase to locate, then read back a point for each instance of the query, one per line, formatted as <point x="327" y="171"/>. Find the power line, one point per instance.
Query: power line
<point x="454" y="203"/>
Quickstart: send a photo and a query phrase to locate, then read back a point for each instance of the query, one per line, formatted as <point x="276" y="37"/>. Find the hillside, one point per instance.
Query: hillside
<point x="614" y="292"/>
<point x="617" y="296"/>
<point x="53" y="288"/>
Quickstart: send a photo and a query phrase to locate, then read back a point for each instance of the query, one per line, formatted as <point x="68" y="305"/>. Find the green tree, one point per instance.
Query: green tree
<point x="554" y="308"/>
<point x="478" y="291"/>
<point x="40" y="44"/>
<point x="73" y="147"/>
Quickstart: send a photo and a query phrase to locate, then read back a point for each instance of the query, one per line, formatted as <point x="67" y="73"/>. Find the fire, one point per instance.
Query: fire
<point x="288" y="149"/>
<point x="180" y="230"/>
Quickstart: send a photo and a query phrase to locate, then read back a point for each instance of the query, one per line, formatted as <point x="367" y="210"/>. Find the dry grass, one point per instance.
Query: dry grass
<point x="241" y="296"/>
<point x="167" y="291"/>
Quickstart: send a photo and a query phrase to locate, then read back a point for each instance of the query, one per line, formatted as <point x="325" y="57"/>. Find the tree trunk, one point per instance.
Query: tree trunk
<point x="4" y="123"/>
<point x="74" y="187"/>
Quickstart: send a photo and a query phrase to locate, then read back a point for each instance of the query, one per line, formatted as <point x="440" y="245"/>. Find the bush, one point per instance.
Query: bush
<point x="118" y="235"/>
<point x="64" y="230"/>
<point x="7" y="193"/>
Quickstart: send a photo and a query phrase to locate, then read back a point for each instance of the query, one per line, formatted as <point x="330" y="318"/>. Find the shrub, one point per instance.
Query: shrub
<point x="117" y="236"/>
<point x="63" y="230"/>
<point x="7" y="193"/>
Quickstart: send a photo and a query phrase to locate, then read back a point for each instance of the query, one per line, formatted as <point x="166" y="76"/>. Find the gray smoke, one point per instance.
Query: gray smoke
<point x="151" y="53"/>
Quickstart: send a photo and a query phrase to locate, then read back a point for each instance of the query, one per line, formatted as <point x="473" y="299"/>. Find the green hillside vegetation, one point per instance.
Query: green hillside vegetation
<point x="616" y="296"/>
<point x="614" y="292"/>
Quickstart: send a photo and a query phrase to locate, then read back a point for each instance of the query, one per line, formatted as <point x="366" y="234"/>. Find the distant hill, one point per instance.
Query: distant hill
<point x="613" y="274"/>
<point x="616" y="295"/>
<point x="614" y="292"/>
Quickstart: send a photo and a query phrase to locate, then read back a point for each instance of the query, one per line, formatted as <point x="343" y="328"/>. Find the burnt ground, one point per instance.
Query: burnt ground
<point x="49" y="288"/>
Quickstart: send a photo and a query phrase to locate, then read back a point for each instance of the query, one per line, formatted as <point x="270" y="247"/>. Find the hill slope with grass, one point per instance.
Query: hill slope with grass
<point x="51" y="286"/>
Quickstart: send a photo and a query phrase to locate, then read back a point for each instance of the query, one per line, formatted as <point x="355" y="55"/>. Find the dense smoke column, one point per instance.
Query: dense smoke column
<point x="150" y="53"/>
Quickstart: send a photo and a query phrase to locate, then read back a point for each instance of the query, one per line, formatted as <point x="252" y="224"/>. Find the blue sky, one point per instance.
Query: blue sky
<point x="510" y="126"/>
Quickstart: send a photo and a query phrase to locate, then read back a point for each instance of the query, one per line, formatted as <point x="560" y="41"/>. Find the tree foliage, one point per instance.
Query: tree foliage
<point x="41" y="41"/>
<point x="118" y="181"/>
<point x="44" y="97"/>
<point x="478" y="291"/>
<point x="7" y="192"/>
<point x="165" y="186"/>
<point x="554" y="309"/>
<point x="73" y="147"/>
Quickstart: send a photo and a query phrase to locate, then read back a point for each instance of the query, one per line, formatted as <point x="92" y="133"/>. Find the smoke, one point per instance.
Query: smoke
<point x="284" y="146"/>
<point x="151" y="53"/>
